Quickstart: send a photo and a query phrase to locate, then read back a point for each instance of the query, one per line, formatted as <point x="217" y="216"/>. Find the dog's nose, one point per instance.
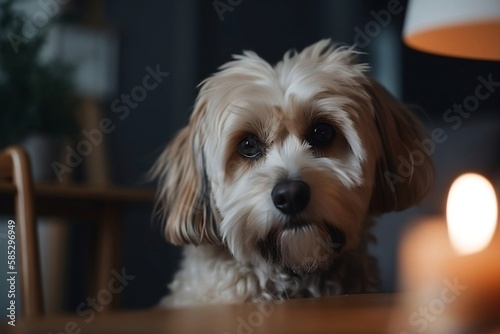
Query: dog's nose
<point x="291" y="197"/>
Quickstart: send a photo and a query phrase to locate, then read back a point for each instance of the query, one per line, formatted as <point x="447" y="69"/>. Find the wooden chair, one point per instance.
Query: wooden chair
<point x="100" y="204"/>
<point x="15" y="171"/>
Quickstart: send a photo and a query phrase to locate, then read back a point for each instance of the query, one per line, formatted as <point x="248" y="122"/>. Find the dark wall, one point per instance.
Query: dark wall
<point x="147" y="33"/>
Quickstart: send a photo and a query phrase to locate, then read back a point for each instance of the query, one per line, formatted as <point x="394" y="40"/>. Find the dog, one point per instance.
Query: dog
<point x="273" y="185"/>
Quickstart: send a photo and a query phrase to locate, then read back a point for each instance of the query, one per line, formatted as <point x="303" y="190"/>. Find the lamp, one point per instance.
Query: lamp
<point x="456" y="28"/>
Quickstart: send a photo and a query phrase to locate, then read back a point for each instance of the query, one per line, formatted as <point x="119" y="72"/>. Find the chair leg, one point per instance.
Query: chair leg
<point x="31" y="287"/>
<point x="108" y="253"/>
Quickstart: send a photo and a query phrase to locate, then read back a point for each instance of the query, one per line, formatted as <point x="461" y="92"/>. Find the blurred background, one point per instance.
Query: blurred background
<point x="122" y="76"/>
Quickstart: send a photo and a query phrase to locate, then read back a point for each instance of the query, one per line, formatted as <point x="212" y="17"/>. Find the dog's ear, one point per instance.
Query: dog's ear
<point x="405" y="172"/>
<point x="184" y="194"/>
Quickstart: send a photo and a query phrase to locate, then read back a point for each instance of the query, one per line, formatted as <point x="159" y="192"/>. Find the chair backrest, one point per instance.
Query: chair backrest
<point x="15" y="168"/>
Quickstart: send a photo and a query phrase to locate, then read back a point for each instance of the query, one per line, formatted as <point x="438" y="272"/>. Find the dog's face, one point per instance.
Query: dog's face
<point x="285" y="163"/>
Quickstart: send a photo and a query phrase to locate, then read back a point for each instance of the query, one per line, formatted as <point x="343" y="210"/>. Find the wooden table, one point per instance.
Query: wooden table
<point x="354" y="314"/>
<point x="99" y="204"/>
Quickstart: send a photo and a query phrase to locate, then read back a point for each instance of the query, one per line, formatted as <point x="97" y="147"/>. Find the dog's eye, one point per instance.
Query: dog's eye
<point x="321" y="135"/>
<point x="250" y="148"/>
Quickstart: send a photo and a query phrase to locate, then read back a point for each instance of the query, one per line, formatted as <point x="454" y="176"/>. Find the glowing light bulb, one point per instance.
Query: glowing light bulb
<point x="471" y="213"/>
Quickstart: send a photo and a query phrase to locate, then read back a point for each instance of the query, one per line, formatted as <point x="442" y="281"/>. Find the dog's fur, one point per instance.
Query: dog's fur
<point x="218" y="203"/>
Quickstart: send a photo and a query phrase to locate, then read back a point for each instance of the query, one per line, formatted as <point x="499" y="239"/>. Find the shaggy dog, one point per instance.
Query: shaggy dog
<point x="272" y="184"/>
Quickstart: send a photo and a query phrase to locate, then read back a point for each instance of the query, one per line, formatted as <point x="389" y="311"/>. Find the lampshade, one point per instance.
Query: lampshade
<point x="457" y="28"/>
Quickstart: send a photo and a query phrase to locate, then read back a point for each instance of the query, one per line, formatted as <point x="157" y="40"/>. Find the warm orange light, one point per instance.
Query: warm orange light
<point x="471" y="213"/>
<point x="479" y="40"/>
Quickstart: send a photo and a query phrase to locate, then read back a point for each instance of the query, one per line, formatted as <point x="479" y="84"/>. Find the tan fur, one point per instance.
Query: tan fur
<point x="400" y="133"/>
<point x="183" y="197"/>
